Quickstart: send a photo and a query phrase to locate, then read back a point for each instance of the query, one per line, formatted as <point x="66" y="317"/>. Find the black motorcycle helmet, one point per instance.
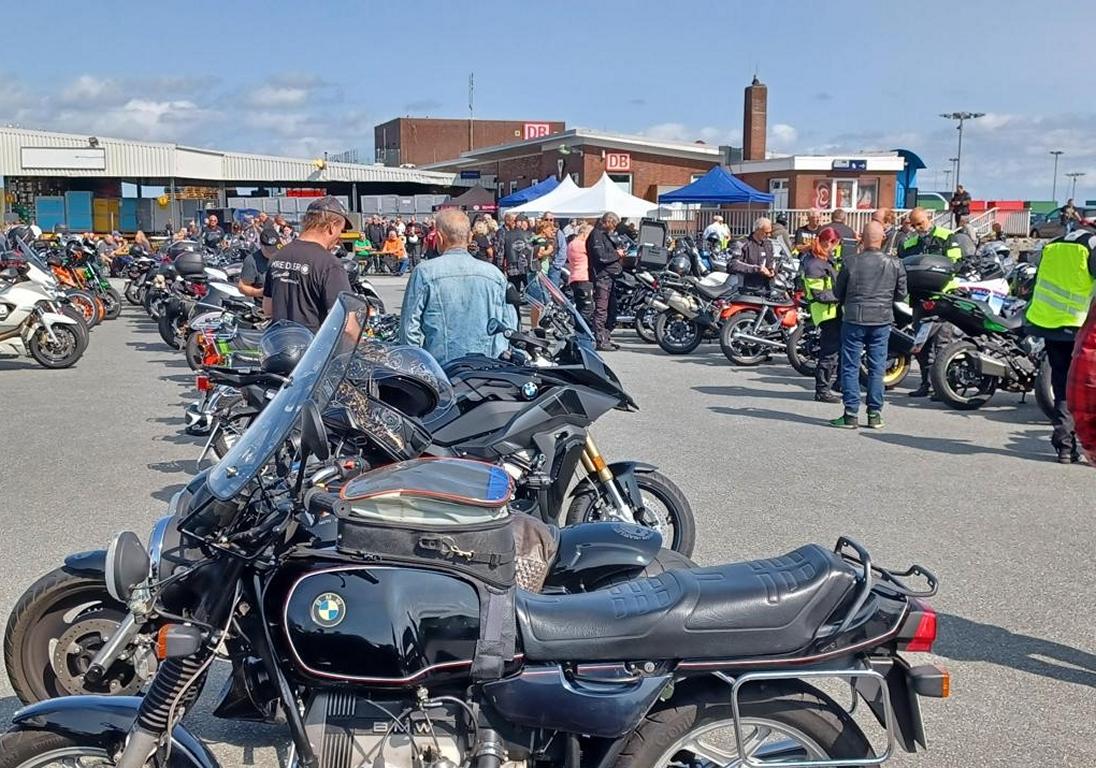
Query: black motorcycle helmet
<point x="680" y="265"/>
<point x="268" y="236"/>
<point x="180" y="247"/>
<point x="282" y="345"/>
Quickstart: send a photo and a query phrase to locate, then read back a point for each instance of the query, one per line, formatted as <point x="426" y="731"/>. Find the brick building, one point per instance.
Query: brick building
<point x="639" y="165"/>
<point x="423" y="140"/>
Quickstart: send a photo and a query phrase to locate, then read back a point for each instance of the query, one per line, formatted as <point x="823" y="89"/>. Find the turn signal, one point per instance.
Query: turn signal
<point x="175" y="640"/>
<point x="203" y="383"/>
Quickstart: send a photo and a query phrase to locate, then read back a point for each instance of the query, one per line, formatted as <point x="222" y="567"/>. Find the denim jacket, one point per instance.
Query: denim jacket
<point x="448" y="304"/>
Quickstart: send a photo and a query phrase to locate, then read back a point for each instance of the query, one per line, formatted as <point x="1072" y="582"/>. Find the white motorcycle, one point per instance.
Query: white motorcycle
<point x="30" y="326"/>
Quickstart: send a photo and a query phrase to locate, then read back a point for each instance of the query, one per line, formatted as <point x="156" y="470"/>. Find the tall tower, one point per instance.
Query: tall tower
<point x="754" y="117"/>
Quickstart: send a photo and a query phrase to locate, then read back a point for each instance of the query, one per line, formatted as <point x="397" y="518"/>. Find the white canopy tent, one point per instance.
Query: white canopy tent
<point x="602" y="197"/>
<point x="547" y="203"/>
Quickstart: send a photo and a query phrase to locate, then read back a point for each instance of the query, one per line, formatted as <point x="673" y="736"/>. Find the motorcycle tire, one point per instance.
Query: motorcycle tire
<point x="676" y="334"/>
<point x="1044" y="393"/>
<point x="376" y="304"/>
<point x="645" y="324"/>
<point x="81" y="322"/>
<point x="132" y="292"/>
<point x="112" y="303"/>
<point x="228" y="433"/>
<point x="29" y="746"/>
<point x="101" y="306"/>
<point x="953" y="381"/>
<point x="167" y="326"/>
<point x="584" y="509"/>
<point x="73" y="342"/>
<point x="193" y="352"/>
<point x="737" y="351"/>
<point x="898" y="368"/>
<point x="797" y="712"/>
<point x="802" y="342"/>
<point x="85" y="305"/>
<point x="43" y="614"/>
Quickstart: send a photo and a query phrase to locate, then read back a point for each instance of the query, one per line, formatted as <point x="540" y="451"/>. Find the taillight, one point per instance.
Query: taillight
<point x="928" y="305"/>
<point x="203" y="383"/>
<point x="919" y="630"/>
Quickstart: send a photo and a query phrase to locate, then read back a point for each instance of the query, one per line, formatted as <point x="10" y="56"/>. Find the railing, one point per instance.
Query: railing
<point x="741" y="220"/>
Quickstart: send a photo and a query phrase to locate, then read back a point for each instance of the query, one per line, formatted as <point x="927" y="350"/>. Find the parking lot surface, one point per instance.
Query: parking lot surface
<point x="973" y="496"/>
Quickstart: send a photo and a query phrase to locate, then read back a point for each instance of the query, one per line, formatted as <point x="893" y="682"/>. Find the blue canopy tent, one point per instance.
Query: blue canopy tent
<point x="529" y="194"/>
<point x="716" y="186"/>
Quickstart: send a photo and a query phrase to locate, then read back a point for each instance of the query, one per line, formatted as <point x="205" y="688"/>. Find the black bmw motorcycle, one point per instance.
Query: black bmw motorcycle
<point x="408" y="644"/>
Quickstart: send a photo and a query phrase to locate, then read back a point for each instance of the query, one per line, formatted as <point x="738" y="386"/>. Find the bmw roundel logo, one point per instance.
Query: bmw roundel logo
<point x="328" y="610"/>
<point x="528" y="390"/>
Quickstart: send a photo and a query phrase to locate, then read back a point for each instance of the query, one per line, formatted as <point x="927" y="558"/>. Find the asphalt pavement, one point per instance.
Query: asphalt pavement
<point x="973" y="496"/>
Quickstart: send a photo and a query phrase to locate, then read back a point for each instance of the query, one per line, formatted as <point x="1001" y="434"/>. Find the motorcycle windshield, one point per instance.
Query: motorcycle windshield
<point x="541" y="292"/>
<point x="316" y="377"/>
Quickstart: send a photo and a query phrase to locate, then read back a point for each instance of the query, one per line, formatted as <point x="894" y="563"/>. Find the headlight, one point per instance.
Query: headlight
<point x="126" y="565"/>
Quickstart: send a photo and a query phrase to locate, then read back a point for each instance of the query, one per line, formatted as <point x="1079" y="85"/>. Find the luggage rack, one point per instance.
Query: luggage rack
<point x="855" y="554"/>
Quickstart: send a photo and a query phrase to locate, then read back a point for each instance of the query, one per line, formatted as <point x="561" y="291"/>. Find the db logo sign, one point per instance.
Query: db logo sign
<point x="618" y="161"/>
<point x="536" y="130"/>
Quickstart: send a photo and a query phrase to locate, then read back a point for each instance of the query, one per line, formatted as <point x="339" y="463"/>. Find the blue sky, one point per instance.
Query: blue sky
<point x="301" y="78"/>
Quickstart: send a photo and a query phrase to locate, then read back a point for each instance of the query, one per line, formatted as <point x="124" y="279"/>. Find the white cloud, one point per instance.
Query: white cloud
<point x="273" y="97"/>
<point x="682" y="132"/>
<point x="87" y="89"/>
<point x="782" y="137"/>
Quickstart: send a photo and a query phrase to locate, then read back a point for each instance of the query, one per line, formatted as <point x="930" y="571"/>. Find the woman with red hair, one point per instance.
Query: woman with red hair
<point x="819" y="276"/>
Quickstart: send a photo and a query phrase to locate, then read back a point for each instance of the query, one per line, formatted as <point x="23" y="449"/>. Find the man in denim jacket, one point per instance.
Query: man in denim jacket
<point x="451" y="299"/>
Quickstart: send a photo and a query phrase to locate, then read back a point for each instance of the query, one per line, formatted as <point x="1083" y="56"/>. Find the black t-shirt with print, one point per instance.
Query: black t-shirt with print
<point x="303" y="282"/>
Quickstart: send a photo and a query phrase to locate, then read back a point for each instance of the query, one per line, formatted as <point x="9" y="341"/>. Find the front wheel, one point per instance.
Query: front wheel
<point x="665" y="509"/>
<point x="677" y="334"/>
<point x="898" y="368"/>
<point x="169" y="328"/>
<point x="85" y="304"/>
<point x="53" y="633"/>
<point x="68" y="347"/>
<point x="803" y="349"/>
<point x="782" y="722"/>
<point x="112" y="304"/>
<point x="738" y="350"/>
<point x="957" y="380"/>
<point x="21" y="748"/>
<point x="194" y="354"/>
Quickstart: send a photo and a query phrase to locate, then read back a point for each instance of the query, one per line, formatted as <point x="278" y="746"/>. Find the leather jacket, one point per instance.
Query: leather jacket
<point x="868" y="285"/>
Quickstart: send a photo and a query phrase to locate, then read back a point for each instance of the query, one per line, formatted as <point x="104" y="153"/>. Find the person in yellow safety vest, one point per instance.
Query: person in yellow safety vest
<point x="927" y="238"/>
<point x="1059" y="304"/>
<point x="819" y="276"/>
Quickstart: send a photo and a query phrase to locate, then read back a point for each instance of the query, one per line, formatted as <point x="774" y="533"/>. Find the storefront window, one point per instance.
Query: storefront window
<point x="867" y="197"/>
<point x="622" y="180"/>
<point x="844" y="193"/>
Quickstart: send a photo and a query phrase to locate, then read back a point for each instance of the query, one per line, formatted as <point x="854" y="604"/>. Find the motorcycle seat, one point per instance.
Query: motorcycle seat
<point x="760" y="607"/>
<point x="715" y="291"/>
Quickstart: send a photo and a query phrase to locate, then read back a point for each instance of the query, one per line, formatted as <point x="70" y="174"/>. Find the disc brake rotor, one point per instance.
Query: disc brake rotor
<point x="74" y="651"/>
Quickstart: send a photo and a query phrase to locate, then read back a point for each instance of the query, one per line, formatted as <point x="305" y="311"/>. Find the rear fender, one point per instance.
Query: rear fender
<point x="92" y="565"/>
<point x="909" y="728"/>
<point x="733" y="309"/>
<point x="104" y="721"/>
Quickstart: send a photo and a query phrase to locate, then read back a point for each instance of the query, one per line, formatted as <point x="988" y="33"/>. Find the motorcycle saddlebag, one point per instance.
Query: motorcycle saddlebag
<point x="190" y="265"/>
<point x="443" y="513"/>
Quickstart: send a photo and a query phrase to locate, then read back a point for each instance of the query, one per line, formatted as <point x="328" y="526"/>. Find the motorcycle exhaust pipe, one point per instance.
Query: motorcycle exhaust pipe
<point x="682" y="306"/>
<point x="990" y="366"/>
<point x="660" y="305"/>
<point x="760" y="341"/>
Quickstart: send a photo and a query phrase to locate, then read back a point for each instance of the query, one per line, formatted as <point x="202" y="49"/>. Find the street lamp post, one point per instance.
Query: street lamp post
<point x="1074" y="175"/>
<point x="955" y="170"/>
<point x="1054" y="186"/>
<point x="961" y="117"/>
<point x="947" y="178"/>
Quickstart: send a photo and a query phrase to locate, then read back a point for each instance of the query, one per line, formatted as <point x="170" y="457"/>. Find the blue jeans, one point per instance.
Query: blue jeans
<point x="854" y="339"/>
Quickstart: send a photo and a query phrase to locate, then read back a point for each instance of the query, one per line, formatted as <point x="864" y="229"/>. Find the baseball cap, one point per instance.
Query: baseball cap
<point x="269" y="236"/>
<point x="331" y="204"/>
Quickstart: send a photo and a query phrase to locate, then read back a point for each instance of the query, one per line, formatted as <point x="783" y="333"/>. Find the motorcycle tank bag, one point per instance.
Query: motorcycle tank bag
<point x="190" y="264"/>
<point x="928" y="273"/>
<point x="449" y="515"/>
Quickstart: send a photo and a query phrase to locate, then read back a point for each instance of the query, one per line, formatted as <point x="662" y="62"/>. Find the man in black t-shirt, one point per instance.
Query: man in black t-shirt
<point x="255" y="266"/>
<point x="806" y="233"/>
<point x="850" y="241"/>
<point x="305" y="278"/>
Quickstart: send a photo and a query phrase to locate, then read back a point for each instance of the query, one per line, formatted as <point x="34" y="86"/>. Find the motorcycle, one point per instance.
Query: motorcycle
<point x="408" y="643"/>
<point x="691" y="309"/>
<point x="30" y="323"/>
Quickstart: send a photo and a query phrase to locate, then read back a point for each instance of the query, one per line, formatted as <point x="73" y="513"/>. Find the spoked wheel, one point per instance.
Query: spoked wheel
<point x="738" y="350"/>
<point x="64" y="349"/>
<point x="804" y="347"/>
<point x="39" y="749"/>
<point x="781" y="723"/>
<point x="85" y="304"/>
<point x="677" y="334"/>
<point x="665" y="508"/>
<point x="957" y="380"/>
<point x="646" y="318"/>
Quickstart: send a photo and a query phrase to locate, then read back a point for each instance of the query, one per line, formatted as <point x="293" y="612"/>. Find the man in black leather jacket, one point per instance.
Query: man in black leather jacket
<point x="605" y="264"/>
<point x="867" y="286"/>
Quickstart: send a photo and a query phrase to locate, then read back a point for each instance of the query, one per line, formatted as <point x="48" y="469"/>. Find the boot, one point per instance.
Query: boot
<point x="922" y="391"/>
<point x="827" y="396"/>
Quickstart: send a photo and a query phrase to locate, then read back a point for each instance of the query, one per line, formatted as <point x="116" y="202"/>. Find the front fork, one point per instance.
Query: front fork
<point x="594" y="462"/>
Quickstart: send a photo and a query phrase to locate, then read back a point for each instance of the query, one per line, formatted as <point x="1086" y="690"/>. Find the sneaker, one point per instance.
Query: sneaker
<point x="827" y="397"/>
<point x="922" y="391"/>
<point x="875" y="420"/>
<point x="1065" y="456"/>
<point x="846" y="421"/>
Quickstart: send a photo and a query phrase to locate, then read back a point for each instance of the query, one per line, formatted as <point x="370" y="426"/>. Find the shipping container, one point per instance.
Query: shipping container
<point x="49" y="212"/>
<point x="78" y="211"/>
<point x="106" y="214"/>
<point x="129" y="215"/>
